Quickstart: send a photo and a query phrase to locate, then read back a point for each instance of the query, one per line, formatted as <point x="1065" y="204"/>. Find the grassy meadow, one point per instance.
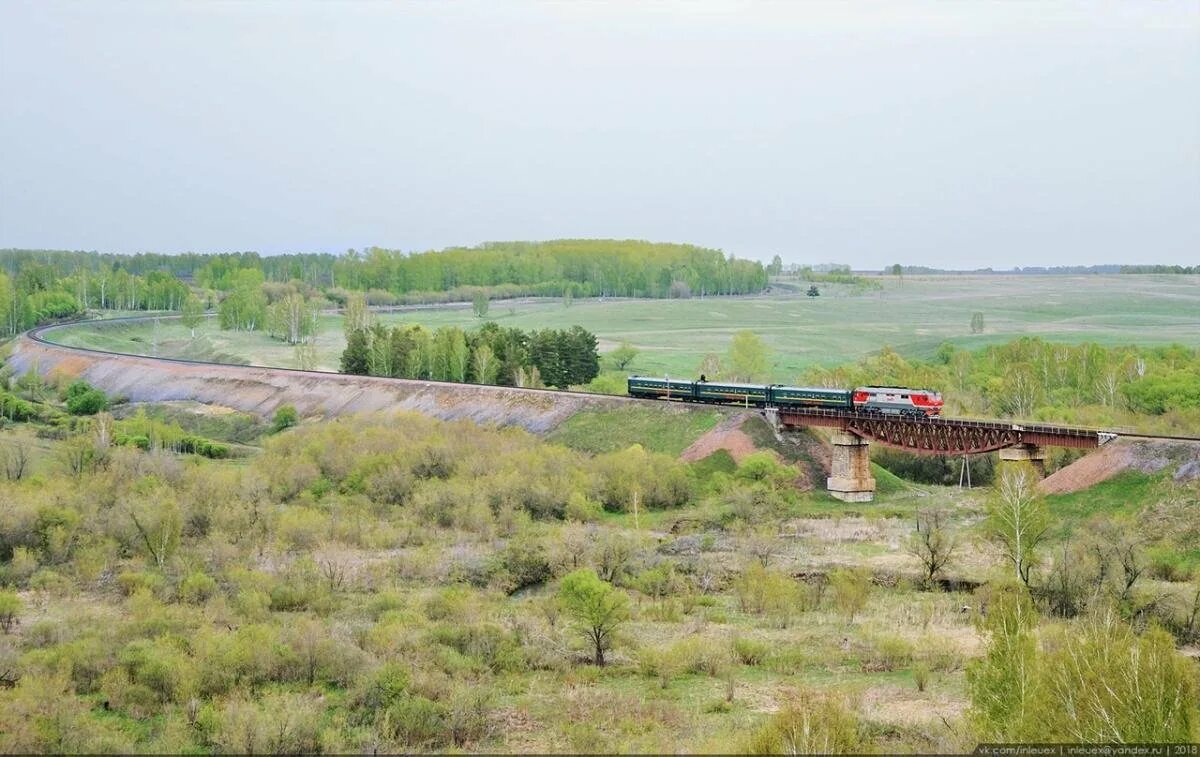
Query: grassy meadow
<point x="912" y="315"/>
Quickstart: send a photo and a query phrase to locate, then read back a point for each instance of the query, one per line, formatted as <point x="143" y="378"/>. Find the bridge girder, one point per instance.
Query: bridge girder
<point x="939" y="436"/>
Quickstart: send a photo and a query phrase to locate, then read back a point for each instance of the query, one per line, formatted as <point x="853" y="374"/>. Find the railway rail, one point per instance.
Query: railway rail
<point x="922" y="435"/>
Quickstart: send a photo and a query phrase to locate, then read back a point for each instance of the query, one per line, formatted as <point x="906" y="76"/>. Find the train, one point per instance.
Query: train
<point x="882" y="400"/>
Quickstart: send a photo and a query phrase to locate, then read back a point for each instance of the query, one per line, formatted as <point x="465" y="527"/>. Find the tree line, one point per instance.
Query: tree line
<point x="491" y="354"/>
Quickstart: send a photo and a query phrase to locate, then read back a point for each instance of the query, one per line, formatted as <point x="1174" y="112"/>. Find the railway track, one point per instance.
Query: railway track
<point x="938" y="435"/>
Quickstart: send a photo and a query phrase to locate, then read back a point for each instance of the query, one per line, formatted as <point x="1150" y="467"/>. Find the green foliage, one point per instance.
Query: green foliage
<point x="586" y="267"/>
<point x="479" y="304"/>
<point x="10" y="609"/>
<point x="197" y="588"/>
<point x="851" y="588"/>
<point x="285" y="417"/>
<point x="811" y="723"/>
<point x="244" y="308"/>
<point x="1018" y="520"/>
<point x="599" y="431"/>
<point x="623" y="355"/>
<point x="596" y="608"/>
<point x="84" y="399"/>
<point x="1094" y="681"/>
<point x="749" y="358"/>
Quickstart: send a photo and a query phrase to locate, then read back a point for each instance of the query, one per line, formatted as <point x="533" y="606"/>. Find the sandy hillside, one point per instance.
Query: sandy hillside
<point x="1114" y="458"/>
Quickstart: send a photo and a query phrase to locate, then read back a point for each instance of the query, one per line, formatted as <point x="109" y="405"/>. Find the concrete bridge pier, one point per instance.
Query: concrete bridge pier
<point x="850" y="479"/>
<point x="1026" y="453"/>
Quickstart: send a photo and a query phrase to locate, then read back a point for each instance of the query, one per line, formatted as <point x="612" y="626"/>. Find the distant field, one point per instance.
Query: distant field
<point x="913" y="316"/>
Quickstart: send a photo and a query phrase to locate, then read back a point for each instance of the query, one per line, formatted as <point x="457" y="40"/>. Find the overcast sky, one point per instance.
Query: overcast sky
<point x="946" y="134"/>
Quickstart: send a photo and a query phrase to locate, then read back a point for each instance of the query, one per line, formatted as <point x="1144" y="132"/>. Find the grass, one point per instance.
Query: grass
<point x="610" y="430"/>
<point x="1123" y="494"/>
<point x="844" y="324"/>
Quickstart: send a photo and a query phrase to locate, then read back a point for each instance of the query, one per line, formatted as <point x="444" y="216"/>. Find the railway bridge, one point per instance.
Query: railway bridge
<point x="850" y="478"/>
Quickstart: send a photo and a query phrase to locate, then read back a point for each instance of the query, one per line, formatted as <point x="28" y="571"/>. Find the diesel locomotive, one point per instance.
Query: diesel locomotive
<point x="885" y="400"/>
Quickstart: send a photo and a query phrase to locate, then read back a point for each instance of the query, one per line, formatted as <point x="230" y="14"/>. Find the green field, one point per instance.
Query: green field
<point x="913" y="315"/>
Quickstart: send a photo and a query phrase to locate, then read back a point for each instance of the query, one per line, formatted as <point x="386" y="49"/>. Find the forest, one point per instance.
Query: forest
<point x="41" y="285"/>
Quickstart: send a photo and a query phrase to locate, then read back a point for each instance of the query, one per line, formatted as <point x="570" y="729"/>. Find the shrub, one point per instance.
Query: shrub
<point x="887" y="653"/>
<point x="920" y="674"/>
<point x="523" y="562"/>
<point x="750" y="651"/>
<point x="809" y="724"/>
<point x="197" y="588"/>
<point x="582" y="509"/>
<point x="133" y="581"/>
<point x="10" y="608"/>
<point x="302" y="528"/>
<point x="415" y="722"/>
<point x="850" y="587"/>
<point x="83" y="399"/>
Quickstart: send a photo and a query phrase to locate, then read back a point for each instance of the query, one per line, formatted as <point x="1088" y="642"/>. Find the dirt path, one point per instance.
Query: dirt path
<point x="727" y="435"/>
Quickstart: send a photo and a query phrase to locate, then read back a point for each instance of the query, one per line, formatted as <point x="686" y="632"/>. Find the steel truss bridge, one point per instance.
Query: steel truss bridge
<point x="942" y="436"/>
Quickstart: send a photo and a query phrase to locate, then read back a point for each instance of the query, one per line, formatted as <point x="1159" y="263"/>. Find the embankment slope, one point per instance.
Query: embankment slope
<point x="263" y="390"/>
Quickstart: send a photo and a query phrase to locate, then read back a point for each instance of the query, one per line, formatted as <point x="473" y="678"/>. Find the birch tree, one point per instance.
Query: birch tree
<point x="1017" y="519"/>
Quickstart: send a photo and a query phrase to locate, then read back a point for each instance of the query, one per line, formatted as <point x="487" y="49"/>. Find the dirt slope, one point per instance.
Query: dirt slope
<point x="263" y="390"/>
<point x="727" y="435"/>
<point x="1145" y="456"/>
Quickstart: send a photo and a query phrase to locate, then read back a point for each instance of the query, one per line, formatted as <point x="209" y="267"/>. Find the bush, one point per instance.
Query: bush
<point x="887" y="653"/>
<point x="523" y="563"/>
<point x="133" y="581"/>
<point x="850" y="587"/>
<point x="196" y="445"/>
<point x="750" y="651"/>
<point x="920" y="674"/>
<point x="10" y="608"/>
<point x="88" y="402"/>
<point x="285" y="417"/>
<point x="810" y="724"/>
<point x="197" y="588"/>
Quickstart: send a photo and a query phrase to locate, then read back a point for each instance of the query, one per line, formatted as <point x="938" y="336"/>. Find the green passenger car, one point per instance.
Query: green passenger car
<point x="656" y="388"/>
<point x="733" y="394"/>
<point x="811" y="396"/>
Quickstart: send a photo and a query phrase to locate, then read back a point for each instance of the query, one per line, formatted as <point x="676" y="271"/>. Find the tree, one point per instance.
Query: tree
<point x="776" y="266"/>
<point x="1001" y="682"/>
<point x="596" y="608"/>
<point x="480" y="304"/>
<point x="84" y="399"/>
<point x="356" y="316"/>
<point x="749" y="357"/>
<point x="933" y="543"/>
<point x="977" y="323"/>
<point x="305" y="354"/>
<point x="813" y="291"/>
<point x="623" y="355"/>
<point x="244" y="308"/>
<point x="357" y="355"/>
<point x="285" y="417"/>
<point x="897" y="270"/>
<point x="581" y="358"/>
<point x="192" y="313"/>
<point x="1017" y="519"/>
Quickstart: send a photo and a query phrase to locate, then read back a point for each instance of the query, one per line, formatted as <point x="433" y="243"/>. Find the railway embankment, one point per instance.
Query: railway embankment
<point x="262" y="390"/>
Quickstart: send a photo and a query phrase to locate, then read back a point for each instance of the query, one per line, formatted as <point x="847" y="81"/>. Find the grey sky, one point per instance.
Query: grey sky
<point x="949" y="134"/>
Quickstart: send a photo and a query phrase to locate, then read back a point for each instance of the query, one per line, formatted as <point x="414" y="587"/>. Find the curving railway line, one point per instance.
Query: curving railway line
<point x="944" y="436"/>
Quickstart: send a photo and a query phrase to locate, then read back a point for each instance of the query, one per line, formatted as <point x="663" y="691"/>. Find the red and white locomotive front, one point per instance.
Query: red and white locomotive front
<point x="898" y="400"/>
